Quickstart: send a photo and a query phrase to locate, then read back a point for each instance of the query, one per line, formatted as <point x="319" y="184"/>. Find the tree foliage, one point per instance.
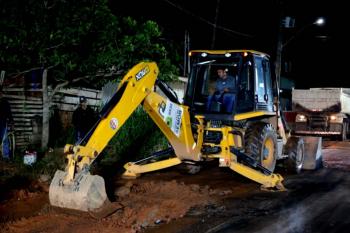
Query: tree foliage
<point x="76" y="38"/>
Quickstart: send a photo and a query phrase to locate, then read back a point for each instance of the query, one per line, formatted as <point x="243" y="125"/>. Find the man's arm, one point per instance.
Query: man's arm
<point x="93" y="115"/>
<point x="231" y="84"/>
<point x="218" y="88"/>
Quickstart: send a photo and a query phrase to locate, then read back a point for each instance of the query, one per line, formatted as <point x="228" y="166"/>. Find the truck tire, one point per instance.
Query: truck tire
<point x="295" y="151"/>
<point x="261" y="144"/>
<point x="344" y="134"/>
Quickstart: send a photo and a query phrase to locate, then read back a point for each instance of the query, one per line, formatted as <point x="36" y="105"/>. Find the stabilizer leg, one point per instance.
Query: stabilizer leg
<point x="133" y="170"/>
<point x="267" y="181"/>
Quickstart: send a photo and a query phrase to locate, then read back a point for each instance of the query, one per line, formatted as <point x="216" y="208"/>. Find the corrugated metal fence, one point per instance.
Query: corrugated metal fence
<point x="27" y="108"/>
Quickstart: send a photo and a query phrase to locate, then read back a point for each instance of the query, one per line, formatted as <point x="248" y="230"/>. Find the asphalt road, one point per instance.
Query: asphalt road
<point x="316" y="201"/>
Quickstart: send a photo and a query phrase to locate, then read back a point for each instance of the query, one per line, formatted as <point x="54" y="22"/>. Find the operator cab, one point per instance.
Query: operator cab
<point x="251" y="89"/>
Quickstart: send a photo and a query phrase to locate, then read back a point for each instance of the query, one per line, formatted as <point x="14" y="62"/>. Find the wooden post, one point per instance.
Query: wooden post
<point x="46" y="113"/>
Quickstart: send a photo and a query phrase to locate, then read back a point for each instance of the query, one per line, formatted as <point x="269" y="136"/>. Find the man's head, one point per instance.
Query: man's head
<point x="222" y="73"/>
<point x="83" y="102"/>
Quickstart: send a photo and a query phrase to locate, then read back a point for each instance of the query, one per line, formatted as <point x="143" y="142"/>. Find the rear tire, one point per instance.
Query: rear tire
<point x="261" y="144"/>
<point x="295" y="151"/>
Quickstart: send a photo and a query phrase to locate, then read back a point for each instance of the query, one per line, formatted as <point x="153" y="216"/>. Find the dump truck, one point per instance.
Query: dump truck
<point x="322" y="111"/>
<point x="248" y="138"/>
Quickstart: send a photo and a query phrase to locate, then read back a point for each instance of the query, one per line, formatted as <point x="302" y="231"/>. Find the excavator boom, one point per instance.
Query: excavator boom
<point x="75" y="188"/>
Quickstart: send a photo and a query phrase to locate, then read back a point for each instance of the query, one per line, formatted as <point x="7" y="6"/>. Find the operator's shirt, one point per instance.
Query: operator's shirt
<point x="228" y="83"/>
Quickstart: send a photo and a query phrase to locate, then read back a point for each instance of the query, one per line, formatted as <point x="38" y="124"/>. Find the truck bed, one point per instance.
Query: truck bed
<point x="321" y="99"/>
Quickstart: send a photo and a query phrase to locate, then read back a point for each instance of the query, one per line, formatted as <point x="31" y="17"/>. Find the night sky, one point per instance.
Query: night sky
<point x="316" y="55"/>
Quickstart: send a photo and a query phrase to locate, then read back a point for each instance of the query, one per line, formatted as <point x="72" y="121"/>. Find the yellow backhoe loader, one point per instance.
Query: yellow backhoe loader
<point x="248" y="137"/>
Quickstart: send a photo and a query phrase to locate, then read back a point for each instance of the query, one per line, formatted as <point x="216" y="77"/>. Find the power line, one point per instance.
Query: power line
<point x="206" y="21"/>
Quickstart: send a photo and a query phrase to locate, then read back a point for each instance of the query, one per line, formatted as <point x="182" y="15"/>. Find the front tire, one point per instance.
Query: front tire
<point x="261" y="144"/>
<point x="296" y="155"/>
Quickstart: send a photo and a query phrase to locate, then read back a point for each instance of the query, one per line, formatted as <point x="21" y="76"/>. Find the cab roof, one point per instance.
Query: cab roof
<point x="229" y="51"/>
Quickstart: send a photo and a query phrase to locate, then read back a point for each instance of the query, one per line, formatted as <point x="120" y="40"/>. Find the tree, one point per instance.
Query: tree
<point x="73" y="39"/>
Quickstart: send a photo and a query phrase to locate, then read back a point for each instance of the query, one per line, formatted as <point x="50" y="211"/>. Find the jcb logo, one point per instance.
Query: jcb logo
<point x="142" y="73"/>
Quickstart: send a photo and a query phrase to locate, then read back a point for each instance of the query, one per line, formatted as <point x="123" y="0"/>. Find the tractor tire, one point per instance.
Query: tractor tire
<point x="295" y="151"/>
<point x="261" y="144"/>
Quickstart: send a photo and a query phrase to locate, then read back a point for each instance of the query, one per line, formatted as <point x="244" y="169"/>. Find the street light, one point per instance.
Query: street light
<point x="319" y="22"/>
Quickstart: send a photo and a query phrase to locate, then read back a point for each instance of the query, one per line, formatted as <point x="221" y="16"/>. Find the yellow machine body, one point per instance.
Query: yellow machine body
<point x="173" y="119"/>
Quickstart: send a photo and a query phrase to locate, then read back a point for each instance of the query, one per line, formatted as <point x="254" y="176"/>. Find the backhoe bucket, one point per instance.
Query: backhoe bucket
<point x="312" y="152"/>
<point x="86" y="193"/>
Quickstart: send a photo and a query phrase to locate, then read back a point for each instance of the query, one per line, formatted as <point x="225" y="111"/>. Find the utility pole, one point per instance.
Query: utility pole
<point x="278" y="65"/>
<point x="215" y="24"/>
<point x="279" y="56"/>
<point x="186" y="50"/>
<point x="185" y="54"/>
<point x="279" y="51"/>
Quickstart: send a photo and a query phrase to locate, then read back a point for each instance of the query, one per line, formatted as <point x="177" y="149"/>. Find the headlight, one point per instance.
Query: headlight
<point x="300" y="118"/>
<point x="336" y="118"/>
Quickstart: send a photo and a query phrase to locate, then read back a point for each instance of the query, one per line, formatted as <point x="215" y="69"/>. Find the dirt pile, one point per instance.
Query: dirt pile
<point x="23" y="202"/>
<point x="149" y="203"/>
<point x="145" y="203"/>
<point x="23" y="194"/>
